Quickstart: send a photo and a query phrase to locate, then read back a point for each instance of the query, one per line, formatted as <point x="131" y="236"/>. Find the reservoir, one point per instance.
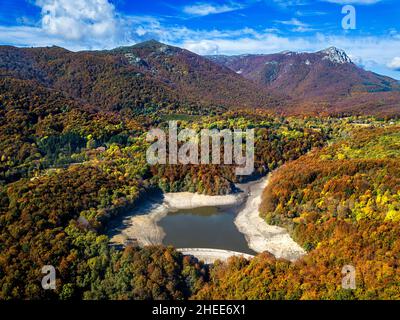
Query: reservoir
<point x="207" y="227"/>
<point x="194" y="221"/>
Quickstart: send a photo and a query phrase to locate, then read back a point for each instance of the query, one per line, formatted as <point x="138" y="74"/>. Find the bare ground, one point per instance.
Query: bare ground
<point x="261" y="236"/>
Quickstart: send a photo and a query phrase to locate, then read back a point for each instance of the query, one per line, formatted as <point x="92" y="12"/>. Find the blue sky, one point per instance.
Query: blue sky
<point x="210" y="27"/>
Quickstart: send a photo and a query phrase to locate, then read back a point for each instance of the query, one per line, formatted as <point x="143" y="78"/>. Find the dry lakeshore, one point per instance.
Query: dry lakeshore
<point x="143" y="224"/>
<point x="261" y="236"/>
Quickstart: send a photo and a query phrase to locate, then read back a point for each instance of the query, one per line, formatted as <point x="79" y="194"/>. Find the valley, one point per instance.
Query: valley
<point x="74" y="177"/>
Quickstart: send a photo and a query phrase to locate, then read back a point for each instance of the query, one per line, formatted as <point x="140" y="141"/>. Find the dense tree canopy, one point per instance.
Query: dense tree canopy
<point x="342" y="203"/>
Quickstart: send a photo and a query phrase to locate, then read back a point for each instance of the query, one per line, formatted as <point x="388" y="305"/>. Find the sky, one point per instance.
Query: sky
<point x="227" y="27"/>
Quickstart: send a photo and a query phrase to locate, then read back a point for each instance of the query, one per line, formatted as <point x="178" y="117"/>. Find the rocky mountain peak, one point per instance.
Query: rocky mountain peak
<point x="336" y="55"/>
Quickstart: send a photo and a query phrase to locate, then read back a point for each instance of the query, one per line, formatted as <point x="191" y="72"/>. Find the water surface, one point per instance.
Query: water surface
<point x="207" y="227"/>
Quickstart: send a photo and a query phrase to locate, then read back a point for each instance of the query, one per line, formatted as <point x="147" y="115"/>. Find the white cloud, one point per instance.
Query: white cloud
<point x="344" y="2"/>
<point x="365" y="51"/>
<point x="268" y="43"/>
<point x="204" y="9"/>
<point x="300" y="13"/>
<point x="202" y="47"/>
<point x="297" y="24"/>
<point x="294" y="22"/>
<point x="289" y="3"/>
<point x="77" y="25"/>
<point x="27" y="36"/>
<point x="76" y="19"/>
<point x="394" y="64"/>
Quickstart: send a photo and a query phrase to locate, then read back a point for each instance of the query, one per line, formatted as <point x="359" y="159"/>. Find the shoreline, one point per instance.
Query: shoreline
<point x="142" y="225"/>
<point x="261" y="236"/>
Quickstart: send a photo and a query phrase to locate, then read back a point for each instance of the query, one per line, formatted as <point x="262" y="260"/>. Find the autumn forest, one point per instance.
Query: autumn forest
<point x="73" y="158"/>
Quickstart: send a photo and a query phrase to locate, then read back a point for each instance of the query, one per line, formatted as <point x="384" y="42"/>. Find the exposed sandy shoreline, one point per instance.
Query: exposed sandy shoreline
<point x="259" y="235"/>
<point x="142" y="225"/>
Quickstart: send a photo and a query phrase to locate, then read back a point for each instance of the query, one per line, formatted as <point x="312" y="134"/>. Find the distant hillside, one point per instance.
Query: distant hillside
<point x="106" y="81"/>
<point x="327" y="76"/>
<point x="145" y="77"/>
<point x="151" y="76"/>
<point x="195" y="78"/>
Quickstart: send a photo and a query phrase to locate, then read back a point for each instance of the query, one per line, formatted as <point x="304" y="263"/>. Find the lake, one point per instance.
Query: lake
<point x="207" y="227"/>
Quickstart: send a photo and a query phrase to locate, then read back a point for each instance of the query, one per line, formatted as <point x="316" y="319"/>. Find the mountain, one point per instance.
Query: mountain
<point x="106" y="82"/>
<point x="145" y="77"/>
<point x="327" y="73"/>
<point x="328" y="76"/>
<point x="195" y="78"/>
<point x="151" y="76"/>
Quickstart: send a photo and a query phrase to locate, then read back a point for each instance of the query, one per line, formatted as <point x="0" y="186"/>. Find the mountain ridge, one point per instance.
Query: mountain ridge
<point x="324" y="81"/>
<point x="151" y="76"/>
<point x="146" y="76"/>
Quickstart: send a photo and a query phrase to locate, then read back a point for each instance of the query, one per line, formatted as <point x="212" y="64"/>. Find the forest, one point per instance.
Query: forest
<point x="73" y="156"/>
<point x="342" y="204"/>
<point x="66" y="171"/>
